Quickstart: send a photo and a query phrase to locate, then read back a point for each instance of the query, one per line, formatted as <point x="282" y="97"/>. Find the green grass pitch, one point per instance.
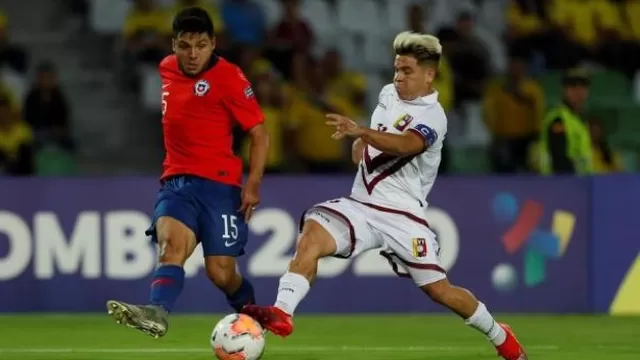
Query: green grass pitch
<point x="388" y="337"/>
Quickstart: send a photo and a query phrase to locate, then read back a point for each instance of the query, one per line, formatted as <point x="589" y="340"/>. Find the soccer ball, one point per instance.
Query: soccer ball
<point x="237" y="337"/>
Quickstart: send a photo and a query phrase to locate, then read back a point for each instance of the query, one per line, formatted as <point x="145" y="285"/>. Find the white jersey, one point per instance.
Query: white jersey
<point x="402" y="182"/>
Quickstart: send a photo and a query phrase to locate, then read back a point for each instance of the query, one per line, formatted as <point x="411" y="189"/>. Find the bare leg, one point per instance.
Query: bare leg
<point x="315" y="243"/>
<point x="464" y="303"/>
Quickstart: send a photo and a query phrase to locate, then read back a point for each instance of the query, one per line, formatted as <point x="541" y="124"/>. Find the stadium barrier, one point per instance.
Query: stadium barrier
<point x="522" y="244"/>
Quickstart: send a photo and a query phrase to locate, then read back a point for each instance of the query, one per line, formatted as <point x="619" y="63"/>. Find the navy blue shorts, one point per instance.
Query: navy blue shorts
<point x="208" y="208"/>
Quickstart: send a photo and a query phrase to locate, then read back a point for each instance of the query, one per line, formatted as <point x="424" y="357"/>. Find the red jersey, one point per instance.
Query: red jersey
<point x="198" y="114"/>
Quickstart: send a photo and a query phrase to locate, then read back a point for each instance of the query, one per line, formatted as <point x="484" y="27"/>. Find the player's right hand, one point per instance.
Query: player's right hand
<point x="250" y="198"/>
<point x="344" y="126"/>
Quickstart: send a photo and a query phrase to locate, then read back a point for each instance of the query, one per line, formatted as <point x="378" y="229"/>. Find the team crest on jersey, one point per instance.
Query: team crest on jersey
<point x="419" y="247"/>
<point x="402" y="122"/>
<point x="201" y="88"/>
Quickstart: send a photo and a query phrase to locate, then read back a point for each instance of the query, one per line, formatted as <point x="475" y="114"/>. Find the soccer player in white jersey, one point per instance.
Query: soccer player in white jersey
<point x="398" y="158"/>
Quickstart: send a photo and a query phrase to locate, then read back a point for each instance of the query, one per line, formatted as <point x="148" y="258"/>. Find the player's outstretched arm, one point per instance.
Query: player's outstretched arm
<point x="406" y="144"/>
<point x="410" y="142"/>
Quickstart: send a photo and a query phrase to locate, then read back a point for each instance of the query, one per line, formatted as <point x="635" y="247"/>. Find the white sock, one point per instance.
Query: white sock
<point x="483" y="321"/>
<point x="293" y="288"/>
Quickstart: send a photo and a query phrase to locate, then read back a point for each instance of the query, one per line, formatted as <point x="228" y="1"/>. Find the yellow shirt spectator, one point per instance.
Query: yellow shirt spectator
<point x="14" y="137"/>
<point x="600" y="166"/>
<point x="344" y="89"/>
<point x="214" y="13"/>
<point x="4" y="21"/>
<point x="632" y="10"/>
<point x="607" y="16"/>
<point x="14" y="101"/>
<point x="444" y="84"/>
<point x="584" y="18"/>
<point x="275" y="122"/>
<point x="523" y="23"/>
<point x="509" y="114"/>
<point x="140" y="21"/>
<point x="312" y="136"/>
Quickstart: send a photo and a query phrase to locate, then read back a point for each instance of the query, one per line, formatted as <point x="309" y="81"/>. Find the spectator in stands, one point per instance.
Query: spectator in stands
<point x="344" y="84"/>
<point x="631" y="19"/>
<point x="470" y="60"/>
<point x="307" y="104"/>
<point x="444" y="83"/>
<point x="16" y="142"/>
<point x="566" y="146"/>
<point x="298" y="82"/>
<point x="418" y="19"/>
<point x="146" y="32"/>
<point x="245" y="22"/>
<point x="527" y="25"/>
<point x="269" y="95"/>
<point x="574" y="28"/>
<point x="578" y="26"/>
<point x="605" y="159"/>
<point x="7" y="92"/>
<point x="249" y="58"/>
<point x="513" y="111"/>
<point x="12" y="56"/>
<point x="292" y="33"/>
<point x="46" y="110"/>
<point x="252" y="63"/>
<point x="525" y="18"/>
<point x="79" y="7"/>
<point x="619" y="44"/>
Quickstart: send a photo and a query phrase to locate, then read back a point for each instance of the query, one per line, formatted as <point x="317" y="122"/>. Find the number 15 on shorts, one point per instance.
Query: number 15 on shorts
<point x="234" y="230"/>
<point x="226" y="235"/>
<point x="230" y="231"/>
<point x="234" y="234"/>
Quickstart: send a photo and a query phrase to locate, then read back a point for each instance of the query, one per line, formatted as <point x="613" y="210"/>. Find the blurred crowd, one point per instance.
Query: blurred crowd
<point x="34" y="114"/>
<point x="494" y="54"/>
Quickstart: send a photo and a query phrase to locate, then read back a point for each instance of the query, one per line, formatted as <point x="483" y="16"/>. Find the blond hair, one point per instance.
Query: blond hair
<point x="424" y="47"/>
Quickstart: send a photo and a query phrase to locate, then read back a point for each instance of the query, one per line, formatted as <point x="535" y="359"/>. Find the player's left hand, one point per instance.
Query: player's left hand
<point x="344" y="126"/>
<point x="250" y="198"/>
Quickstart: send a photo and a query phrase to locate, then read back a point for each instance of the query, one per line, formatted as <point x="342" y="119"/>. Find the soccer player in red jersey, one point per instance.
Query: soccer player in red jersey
<point x="202" y="199"/>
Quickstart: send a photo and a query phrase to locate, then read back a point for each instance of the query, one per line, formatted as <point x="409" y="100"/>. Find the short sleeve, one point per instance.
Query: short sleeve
<point x="431" y="126"/>
<point x="242" y="103"/>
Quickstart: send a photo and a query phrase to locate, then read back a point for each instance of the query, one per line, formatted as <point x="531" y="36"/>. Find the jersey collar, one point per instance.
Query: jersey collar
<point x="212" y="62"/>
<point x="424" y="100"/>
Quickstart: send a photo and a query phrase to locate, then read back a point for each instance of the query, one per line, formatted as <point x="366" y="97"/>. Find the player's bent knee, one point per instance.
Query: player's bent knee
<point x="173" y="251"/>
<point x="438" y="290"/>
<point x="221" y="270"/>
<point x="176" y="241"/>
<point x="315" y="242"/>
